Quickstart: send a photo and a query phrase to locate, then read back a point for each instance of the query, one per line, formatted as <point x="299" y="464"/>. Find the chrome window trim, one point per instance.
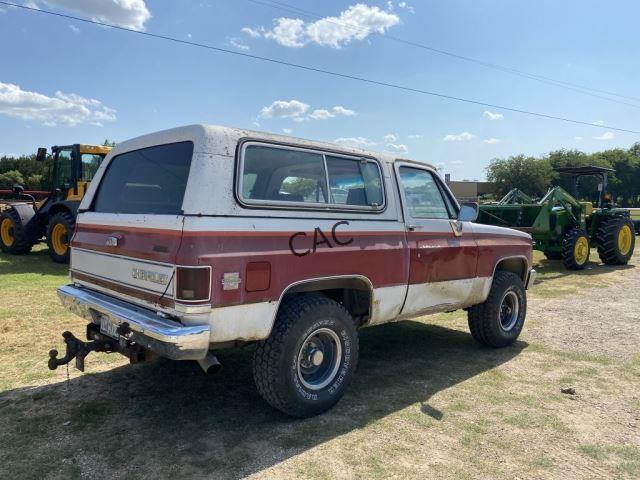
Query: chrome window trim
<point x="286" y="205"/>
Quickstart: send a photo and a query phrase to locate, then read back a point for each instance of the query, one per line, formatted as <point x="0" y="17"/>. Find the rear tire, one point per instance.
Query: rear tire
<point x="498" y="321"/>
<point x="575" y="249"/>
<point x="616" y="241"/>
<point x="59" y="232"/>
<point x="13" y="238"/>
<point x="305" y="365"/>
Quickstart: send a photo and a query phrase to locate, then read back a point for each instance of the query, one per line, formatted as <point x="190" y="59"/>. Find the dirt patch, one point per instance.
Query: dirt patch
<point x="601" y="319"/>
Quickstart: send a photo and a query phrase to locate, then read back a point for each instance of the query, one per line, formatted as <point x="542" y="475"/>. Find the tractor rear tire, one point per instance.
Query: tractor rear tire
<point x="616" y="241"/>
<point x="59" y="232"/>
<point x="13" y="238"/>
<point x="575" y="249"/>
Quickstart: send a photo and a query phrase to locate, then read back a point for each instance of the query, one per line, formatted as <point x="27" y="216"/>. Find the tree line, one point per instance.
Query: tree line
<point x="535" y="175"/>
<point x="25" y="170"/>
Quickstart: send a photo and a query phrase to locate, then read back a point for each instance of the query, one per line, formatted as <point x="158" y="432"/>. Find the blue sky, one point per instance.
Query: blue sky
<point x="65" y="82"/>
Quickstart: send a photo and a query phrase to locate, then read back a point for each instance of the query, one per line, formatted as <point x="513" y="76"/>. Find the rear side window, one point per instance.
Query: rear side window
<point x="147" y="181"/>
<point x="271" y="175"/>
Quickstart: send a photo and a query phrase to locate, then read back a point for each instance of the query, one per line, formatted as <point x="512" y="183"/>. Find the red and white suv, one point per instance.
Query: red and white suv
<point x="203" y="237"/>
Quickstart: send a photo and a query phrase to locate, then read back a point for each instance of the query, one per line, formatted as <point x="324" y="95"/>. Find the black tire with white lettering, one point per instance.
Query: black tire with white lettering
<point x="305" y="365"/>
<point x="498" y="321"/>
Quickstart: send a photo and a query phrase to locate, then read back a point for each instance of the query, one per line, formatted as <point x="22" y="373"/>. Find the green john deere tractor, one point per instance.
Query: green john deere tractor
<point x="25" y="222"/>
<point x="564" y="228"/>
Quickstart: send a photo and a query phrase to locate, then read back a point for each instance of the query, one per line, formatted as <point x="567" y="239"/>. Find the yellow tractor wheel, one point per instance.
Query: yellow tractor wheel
<point x="6" y="232"/>
<point x="12" y="233"/>
<point x="575" y="249"/>
<point x="616" y="241"/>
<point x="59" y="234"/>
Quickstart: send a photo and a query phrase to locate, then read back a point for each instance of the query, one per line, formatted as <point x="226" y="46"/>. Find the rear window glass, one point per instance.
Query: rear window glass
<point x="147" y="181"/>
<point x="273" y="174"/>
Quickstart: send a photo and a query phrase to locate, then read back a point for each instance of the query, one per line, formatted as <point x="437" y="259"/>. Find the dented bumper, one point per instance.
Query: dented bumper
<point x="167" y="338"/>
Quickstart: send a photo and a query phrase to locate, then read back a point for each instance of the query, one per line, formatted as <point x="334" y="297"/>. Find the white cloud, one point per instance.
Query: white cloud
<point x="125" y="13"/>
<point x="74" y="29"/>
<point x="460" y="137"/>
<point x="492" y="141"/>
<point x="321" y="114"/>
<point x="359" y="142"/>
<point x="355" y="23"/>
<point x="605" y="136"/>
<point x="251" y="32"/>
<point x="390" y="138"/>
<point x="415" y="136"/>
<point x="284" y="109"/>
<point x="297" y="111"/>
<point x="66" y="109"/>
<point x="599" y="122"/>
<point x="397" y="148"/>
<point x="288" y="131"/>
<point x="340" y="110"/>
<point x="235" y="42"/>
<point x="492" y="116"/>
<point x="577" y="138"/>
<point x="407" y="7"/>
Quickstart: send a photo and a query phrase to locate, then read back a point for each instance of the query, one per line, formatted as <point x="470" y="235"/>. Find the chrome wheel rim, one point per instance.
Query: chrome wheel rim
<point x="319" y="359"/>
<point x="509" y="310"/>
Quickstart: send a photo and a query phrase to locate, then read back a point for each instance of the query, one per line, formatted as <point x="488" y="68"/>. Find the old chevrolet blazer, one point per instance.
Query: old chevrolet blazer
<point x="200" y="238"/>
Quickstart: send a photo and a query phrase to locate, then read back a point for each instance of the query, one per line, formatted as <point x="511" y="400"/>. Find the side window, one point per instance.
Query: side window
<point x="354" y="182"/>
<point x="422" y="194"/>
<point x="283" y="175"/>
<point x="64" y="172"/>
<point x="90" y="164"/>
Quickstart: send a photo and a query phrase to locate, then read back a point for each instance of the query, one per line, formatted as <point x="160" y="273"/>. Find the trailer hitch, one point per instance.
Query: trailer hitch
<point x="77" y="349"/>
<point x="98" y="342"/>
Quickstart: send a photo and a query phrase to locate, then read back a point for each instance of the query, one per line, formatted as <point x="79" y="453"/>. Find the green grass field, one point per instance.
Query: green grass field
<point x="426" y="402"/>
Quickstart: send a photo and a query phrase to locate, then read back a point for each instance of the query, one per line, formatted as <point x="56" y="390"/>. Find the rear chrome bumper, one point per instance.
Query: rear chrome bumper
<point x="167" y="338"/>
<point x="531" y="278"/>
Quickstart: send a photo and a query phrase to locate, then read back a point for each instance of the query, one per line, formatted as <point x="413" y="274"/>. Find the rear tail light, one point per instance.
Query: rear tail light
<point x="193" y="284"/>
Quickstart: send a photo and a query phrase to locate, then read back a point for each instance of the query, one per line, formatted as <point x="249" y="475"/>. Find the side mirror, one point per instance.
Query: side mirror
<point x="468" y="212"/>
<point x="41" y="156"/>
<point x="18" y="189"/>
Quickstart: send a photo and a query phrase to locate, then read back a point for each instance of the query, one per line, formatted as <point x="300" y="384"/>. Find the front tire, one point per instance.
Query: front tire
<point x="616" y="241"/>
<point x="59" y="232"/>
<point x="575" y="249"/>
<point x="305" y="365"/>
<point x="498" y="321"/>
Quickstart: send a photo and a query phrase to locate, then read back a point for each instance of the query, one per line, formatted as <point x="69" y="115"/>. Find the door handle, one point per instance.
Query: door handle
<point x="412" y="228"/>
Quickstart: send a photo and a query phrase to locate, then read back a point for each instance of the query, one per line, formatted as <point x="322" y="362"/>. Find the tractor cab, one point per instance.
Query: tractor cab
<point x="604" y="198"/>
<point x="68" y="173"/>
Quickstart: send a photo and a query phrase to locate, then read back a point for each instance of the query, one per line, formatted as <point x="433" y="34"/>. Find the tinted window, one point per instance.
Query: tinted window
<point x="354" y="182"/>
<point x="150" y="180"/>
<point x="422" y="194"/>
<point x="283" y="175"/>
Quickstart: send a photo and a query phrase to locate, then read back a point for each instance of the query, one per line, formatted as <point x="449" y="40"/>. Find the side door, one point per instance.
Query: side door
<point x="443" y="253"/>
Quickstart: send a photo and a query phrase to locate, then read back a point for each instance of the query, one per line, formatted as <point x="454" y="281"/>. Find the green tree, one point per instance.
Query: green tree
<point x="529" y="174"/>
<point x="11" y="178"/>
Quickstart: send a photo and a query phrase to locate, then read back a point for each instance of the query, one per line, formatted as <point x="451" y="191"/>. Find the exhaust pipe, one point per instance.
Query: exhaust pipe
<point x="210" y="364"/>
